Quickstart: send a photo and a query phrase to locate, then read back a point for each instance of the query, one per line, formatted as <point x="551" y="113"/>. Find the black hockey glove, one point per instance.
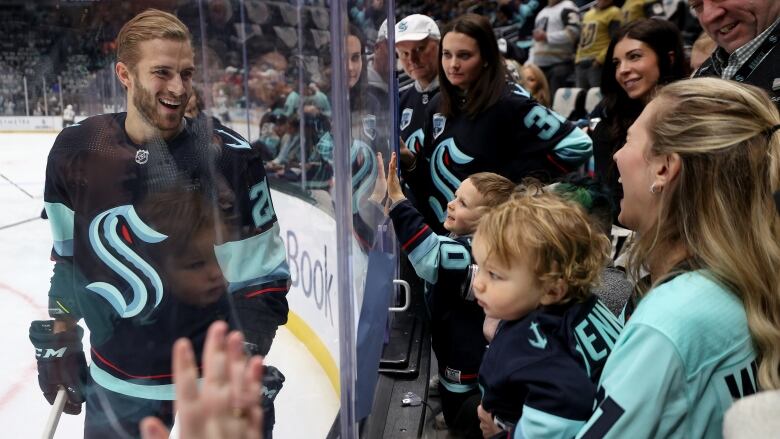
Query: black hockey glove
<point x="61" y="362"/>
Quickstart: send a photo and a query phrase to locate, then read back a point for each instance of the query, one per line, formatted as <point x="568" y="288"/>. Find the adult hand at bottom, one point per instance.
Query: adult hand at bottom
<point x="227" y="404"/>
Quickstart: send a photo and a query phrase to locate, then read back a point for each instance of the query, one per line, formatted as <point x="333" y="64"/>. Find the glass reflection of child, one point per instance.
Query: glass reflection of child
<point x="445" y="263"/>
<point x="539" y="258"/>
<point x="186" y="257"/>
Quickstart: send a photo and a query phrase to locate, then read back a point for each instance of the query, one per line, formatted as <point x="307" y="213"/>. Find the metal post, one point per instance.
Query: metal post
<point x="342" y="194"/>
<point x="45" y="98"/>
<point x="246" y="71"/>
<point x="301" y="95"/>
<point x="59" y="87"/>
<point x="26" y="100"/>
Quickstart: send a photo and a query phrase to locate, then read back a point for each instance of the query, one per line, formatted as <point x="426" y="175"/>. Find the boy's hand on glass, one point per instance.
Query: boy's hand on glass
<point x="486" y="424"/>
<point x="380" y="185"/>
<point x="394" y="192"/>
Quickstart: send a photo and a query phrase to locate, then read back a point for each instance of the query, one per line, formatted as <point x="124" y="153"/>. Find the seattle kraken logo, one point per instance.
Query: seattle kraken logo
<point x="439" y="120"/>
<point x="369" y="126"/>
<point x="106" y="225"/>
<point x="415" y="141"/>
<point x="406" y="118"/>
<point x="443" y="179"/>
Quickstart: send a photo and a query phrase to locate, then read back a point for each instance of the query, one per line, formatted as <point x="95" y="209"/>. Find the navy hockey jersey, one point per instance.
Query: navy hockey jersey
<point x="517" y="137"/>
<point x="539" y="375"/>
<point x="97" y="182"/>
<point x="415" y="104"/>
<point x="456" y="322"/>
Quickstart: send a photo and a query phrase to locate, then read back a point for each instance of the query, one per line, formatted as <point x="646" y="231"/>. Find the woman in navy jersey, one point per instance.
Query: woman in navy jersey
<point x="480" y="122"/>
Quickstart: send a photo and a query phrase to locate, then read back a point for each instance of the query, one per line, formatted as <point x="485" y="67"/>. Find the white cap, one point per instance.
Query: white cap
<point x="416" y="27"/>
<point x="382" y="33"/>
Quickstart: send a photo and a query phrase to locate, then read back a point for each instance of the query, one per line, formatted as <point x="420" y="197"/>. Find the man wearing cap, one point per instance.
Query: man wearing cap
<point x="379" y="69"/>
<point x="747" y="35"/>
<point x="417" y="46"/>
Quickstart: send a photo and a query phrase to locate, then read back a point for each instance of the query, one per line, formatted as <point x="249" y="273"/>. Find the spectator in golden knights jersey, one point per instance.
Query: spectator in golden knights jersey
<point x="698" y="171"/>
<point x="747" y="35"/>
<point x="481" y="123"/>
<point x="598" y="26"/>
<point x="633" y="10"/>
<point x="138" y="278"/>
<point x="417" y="46"/>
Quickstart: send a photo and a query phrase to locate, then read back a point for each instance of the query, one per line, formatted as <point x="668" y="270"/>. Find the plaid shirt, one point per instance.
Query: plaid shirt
<point x="727" y="65"/>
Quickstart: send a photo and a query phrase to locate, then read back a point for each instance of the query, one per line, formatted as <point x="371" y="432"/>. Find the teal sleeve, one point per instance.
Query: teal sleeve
<point x="642" y="392"/>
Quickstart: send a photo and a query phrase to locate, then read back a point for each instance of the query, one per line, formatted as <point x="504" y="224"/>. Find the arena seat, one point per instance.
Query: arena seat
<point x="592" y="99"/>
<point x="569" y="102"/>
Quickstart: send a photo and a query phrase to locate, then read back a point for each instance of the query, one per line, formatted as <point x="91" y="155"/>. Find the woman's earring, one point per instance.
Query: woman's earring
<point x="655" y="189"/>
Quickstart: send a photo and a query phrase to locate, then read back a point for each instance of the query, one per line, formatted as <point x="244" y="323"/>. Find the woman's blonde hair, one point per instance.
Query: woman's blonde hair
<point x="150" y="24"/>
<point x="720" y="207"/>
<point x="542" y="94"/>
<point x="553" y="232"/>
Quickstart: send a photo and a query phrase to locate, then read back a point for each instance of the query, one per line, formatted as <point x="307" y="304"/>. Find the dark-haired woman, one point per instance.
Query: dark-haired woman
<point x="480" y="122"/>
<point x="642" y="56"/>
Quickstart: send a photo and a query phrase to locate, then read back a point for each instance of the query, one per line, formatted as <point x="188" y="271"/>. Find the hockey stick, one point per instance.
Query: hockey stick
<point x="54" y="414"/>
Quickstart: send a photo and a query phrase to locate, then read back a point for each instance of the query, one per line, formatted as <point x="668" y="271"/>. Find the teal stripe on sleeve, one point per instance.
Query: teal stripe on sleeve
<point x="575" y="148"/>
<point x="160" y="392"/>
<point x="61" y="219"/>
<point x="425" y="258"/>
<point x="536" y="423"/>
<point x="253" y="258"/>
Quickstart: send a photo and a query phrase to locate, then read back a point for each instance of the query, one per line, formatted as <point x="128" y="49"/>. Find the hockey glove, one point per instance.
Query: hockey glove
<point x="61" y="362"/>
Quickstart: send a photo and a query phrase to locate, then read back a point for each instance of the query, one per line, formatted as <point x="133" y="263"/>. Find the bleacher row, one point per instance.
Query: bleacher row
<point x="576" y="103"/>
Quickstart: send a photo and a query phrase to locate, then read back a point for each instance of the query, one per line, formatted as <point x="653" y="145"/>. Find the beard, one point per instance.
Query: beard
<point x="146" y="104"/>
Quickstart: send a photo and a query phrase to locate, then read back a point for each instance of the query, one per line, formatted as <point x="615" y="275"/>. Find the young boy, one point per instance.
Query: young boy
<point x="538" y="259"/>
<point x="445" y="262"/>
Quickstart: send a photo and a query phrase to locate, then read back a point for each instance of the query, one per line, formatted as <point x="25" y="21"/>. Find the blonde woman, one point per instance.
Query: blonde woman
<point x="535" y="82"/>
<point x="698" y="171"/>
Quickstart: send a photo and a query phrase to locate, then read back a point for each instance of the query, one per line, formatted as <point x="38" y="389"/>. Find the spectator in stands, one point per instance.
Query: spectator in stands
<point x="701" y="50"/>
<point x="641" y="56"/>
<point x="417" y="46"/>
<point x="698" y="171"/>
<point x="485" y="124"/>
<point x="379" y="69"/>
<point x="633" y="10"/>
<point x="556" y="32"/>
<point x="536" y="83"/>
<point x="599" y="24"/>
<point x="746" y="33"/>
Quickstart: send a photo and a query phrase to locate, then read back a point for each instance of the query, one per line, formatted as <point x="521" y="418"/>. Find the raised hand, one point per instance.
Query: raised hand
<point x="227" y="405"/>
<point x="394" y="192"/>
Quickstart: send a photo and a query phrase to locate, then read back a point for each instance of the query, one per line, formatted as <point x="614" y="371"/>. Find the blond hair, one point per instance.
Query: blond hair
<point x="150" y="24"/>
<point x="720" y="208"/>
<point x="494" y="189"/>
<point x="542" y="93"/>
<point x="555" y="233"/>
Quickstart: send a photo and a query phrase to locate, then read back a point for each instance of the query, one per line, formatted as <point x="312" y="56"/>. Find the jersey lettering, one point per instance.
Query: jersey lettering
<point x="743" y="382"/>
<point x="107" y="226"/>
<point x="610" y="412"/>
<point x="262" y="210"/>
<point x="542" y="119"/>
<point x="596" y="335"/>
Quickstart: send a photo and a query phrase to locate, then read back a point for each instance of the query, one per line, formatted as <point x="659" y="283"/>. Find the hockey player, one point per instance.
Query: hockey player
<point x="104" y="176"/>
<point x="479" y="122"/>
<point x="444" y="263"/>
<point x="698" y="170"/>
<point x="539" y="258"/>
